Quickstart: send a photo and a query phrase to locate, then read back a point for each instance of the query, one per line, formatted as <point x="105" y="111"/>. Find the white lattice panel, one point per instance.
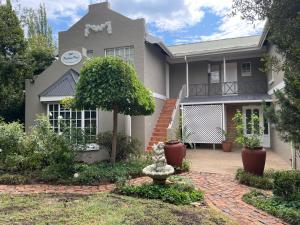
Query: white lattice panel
<point x="203" y="123"/>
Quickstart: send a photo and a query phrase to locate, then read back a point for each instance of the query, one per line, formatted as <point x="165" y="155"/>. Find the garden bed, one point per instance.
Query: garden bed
<point x="84" y="174"/>
<point x="289" y="211"/>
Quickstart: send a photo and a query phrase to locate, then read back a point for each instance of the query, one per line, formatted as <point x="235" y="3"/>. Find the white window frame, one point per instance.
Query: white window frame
<point x="246" y="73"/>
<point x="82" y="116"/>
<point x="271" y="81"/>
<point x="123" y="48"/>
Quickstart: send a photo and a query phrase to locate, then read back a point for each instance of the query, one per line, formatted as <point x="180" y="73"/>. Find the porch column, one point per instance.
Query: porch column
<point x="224" y="67"/>
<point x="224" y="119"/>
<point x="187" y="76"/>
<point x="167" y="80"/>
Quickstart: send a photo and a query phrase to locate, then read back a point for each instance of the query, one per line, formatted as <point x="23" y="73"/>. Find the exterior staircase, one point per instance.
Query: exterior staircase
<point x="159" y="133"/>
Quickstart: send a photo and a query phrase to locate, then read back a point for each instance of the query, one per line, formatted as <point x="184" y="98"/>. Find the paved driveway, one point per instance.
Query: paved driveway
<point x="217" y="161"/>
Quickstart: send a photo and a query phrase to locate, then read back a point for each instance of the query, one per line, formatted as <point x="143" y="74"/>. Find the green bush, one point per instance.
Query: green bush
<point x="104" y="171"/>
<point x="13" y="179"/>
<point x="186" y="164"/>
<point x="287" y="211"/>
<point x="178" y="194"/>
<point x="287" y="185"/>
<point x="11" y="139"/>
<point x="126" y="146"/>
<point x="262" y="182"/>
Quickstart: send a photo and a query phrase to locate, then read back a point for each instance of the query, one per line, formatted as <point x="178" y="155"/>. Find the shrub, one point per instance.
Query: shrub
<point x="176" y="194"/>
<point x="104" y="171"/>
<point x="287" y="211"/>
<point x="263" y="182"/>
<point x="11" y="138"/>
<point x="287" y="185"/>
<point x="181" y="182"/>
<point x="126" y="145"/>
<point x="13" y="179"/>
<point x="186" y="164"/>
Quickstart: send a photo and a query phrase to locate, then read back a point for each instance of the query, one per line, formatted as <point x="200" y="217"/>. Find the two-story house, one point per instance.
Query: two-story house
<point x="208" y="81"/>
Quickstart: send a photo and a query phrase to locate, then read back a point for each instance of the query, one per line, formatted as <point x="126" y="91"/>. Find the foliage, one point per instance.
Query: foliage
<point x="287" y="185"/>
<point x="40" y="48"/>
<point x="14" y="65"/>
<point x="126" y="146"/>
<point x="11" y="138"/>
<point x="223" y="132"/>
<point x="101" y="208"/>
<point x="178" y="194"/>
<point x="262" y="182"/>
<point x="111" y="84"/>
<point x="284" y="32"/>
<point x="287" y="211"/>
<point x="13" y="179"/>
<point x="253" y="140"/>
<point x="186" y="183"/>
<point x="42" y="149"/>
<point x="105" y="172"/>
<point x="186" y="165"/>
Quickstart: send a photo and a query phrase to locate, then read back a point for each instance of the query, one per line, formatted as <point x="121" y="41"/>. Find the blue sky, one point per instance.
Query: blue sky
<point x="174" y="21"/>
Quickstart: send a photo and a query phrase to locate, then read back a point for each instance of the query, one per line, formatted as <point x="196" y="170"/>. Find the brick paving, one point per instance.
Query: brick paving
<point x="222" y="192"/>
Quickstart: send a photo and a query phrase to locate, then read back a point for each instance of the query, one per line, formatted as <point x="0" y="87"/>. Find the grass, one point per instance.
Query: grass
<point x="289" y="211"/>
<point x="100" y="209"/>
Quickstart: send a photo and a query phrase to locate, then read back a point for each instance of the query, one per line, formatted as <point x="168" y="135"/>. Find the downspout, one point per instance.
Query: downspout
<point x="187" y="76"/>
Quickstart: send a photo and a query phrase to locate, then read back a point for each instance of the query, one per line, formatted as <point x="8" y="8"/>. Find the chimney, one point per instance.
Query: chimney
<point x="97" y="6"/>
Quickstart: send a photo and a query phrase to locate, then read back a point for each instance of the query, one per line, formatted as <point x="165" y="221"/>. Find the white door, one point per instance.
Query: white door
<point x="247" y="112"/>
<point x="230" y="79"/>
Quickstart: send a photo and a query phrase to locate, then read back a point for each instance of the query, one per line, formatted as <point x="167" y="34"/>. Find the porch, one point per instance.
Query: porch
<point x="217" y="161"/>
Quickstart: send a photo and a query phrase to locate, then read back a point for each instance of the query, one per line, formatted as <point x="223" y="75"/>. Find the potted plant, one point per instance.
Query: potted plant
<point x="175" y="150"/>
<point x="253" y="154"/>
<point x="226" y="144"/>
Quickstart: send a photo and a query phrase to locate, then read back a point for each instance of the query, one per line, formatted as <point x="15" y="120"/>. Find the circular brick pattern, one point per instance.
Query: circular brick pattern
<point x="222" y="192"/>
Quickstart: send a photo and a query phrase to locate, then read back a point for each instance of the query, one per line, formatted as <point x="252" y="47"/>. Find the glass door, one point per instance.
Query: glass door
<point x="263" y="122"/>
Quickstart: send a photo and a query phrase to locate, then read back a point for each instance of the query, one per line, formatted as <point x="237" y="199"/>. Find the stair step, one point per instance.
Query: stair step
<point x="159" y="133"/>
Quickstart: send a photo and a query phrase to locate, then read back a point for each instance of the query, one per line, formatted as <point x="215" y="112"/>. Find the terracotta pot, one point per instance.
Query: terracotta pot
<point x="254" y="160"/>
<point x="226" y="146"/>
<point x="175" y="152"/>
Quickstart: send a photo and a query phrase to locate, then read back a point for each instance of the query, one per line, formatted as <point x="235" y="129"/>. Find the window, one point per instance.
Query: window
<point x="71" y="120"/>
<point x="214" y="77"/>
<point x="246" y="69"/>
<point x="126" y="53"/>
<point x="215" y="74"/>
<point x="90" y="52"/>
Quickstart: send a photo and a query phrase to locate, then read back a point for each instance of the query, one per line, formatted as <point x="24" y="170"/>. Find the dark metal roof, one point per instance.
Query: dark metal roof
<point x="227" y="99"/>
<point x="64" y="86"/>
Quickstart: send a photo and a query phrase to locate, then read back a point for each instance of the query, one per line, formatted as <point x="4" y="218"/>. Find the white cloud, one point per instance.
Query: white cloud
<point x="235" y="27"/>
<point x="173" y="16"/>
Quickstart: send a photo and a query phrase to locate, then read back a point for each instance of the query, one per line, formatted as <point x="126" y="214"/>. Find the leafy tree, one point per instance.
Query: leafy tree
<point x="13" y="62"/>
<point x="111" y="84"/>
<point x="284" y="31"/>
<point x="40" y="42"/>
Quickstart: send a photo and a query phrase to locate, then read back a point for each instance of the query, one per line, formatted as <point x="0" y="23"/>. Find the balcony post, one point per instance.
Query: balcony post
<point x="187" y="76"/>
<point x="224" y="67"/>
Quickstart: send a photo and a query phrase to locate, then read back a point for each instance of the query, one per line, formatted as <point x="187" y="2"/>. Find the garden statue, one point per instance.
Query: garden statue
<point x="160" y="170"/>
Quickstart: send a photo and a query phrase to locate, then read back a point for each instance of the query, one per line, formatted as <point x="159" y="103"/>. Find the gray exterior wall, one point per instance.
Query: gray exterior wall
<point x="198" y="74"/>
<point x="280" y="147"/>
<point x="149" y="62"/>
<point x="155" y="80"/>
<point x="278" y="75"/>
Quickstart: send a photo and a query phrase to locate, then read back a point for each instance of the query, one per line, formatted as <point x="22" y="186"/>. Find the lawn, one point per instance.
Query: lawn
<point x="100" y="209"/>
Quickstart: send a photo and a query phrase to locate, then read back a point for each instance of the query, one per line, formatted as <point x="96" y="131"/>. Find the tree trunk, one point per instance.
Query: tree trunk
<point x="114" y="136"/>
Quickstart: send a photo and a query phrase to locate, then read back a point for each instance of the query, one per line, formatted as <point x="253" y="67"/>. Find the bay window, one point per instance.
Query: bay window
<point x="69" y="120"/>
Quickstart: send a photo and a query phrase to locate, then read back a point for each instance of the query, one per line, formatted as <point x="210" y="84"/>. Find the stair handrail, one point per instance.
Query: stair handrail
<point x="176" y="106"/>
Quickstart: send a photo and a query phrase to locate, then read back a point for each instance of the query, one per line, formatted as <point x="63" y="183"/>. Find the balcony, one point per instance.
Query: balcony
<point x="228" y="88"/>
